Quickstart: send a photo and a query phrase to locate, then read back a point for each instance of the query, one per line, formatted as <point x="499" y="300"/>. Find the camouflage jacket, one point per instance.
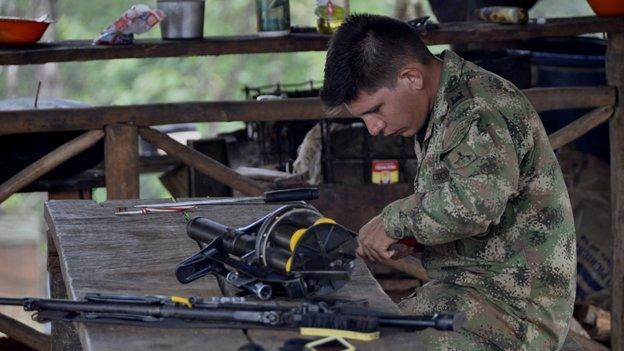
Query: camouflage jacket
<point x="490" y="203"/>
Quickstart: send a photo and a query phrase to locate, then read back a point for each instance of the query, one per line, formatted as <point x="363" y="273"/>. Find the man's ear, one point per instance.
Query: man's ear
<point x="412" y="77"/>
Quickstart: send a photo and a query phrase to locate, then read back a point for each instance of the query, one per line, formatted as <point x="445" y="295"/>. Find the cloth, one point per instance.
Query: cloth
<point x="491" y="207"/>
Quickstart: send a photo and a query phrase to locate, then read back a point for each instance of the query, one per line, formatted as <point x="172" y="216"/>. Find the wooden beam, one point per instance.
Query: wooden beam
<point x="471" y="32"/>
<point x="157" y="163"/>
<point x="48" y="163"/>
<point x="585" y="343"/>
<point x="558" y="98"/>
<point x="83" y="50"/>
<point x="25" y="121"/>
<point x="202" y="163"/>
<point x="580" y="126"/>
<point x="121" y="160"/>
<point x="26" y="335"/>
<point x="448" y="33"/>
<point x="615" y="77"/>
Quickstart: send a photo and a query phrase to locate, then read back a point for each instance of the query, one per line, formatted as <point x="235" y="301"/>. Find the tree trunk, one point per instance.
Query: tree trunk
<point x="49" y="73"/>
<point x="9" y="7"/>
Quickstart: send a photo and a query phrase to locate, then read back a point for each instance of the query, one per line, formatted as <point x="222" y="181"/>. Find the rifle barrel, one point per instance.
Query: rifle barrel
<point x="6" y="301"/>
<point x="439" y="321"/>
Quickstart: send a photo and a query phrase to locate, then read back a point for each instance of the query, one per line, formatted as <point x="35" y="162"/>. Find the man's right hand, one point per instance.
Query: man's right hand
<point x="373" y="241"/>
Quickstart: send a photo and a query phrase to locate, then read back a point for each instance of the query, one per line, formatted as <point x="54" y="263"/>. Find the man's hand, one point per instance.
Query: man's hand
<point x="374" y="241"/>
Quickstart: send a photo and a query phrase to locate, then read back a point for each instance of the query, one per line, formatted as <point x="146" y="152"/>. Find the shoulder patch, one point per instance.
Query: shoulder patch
<point x="457" y="91"/>
<point x="459" y="120"/>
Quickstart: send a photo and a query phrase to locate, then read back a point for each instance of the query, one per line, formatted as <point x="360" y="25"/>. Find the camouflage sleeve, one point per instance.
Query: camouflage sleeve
<point x="483" y="173"/>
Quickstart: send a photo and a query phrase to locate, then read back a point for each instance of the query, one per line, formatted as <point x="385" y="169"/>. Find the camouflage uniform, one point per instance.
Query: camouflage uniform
<point x="491" y="206"/>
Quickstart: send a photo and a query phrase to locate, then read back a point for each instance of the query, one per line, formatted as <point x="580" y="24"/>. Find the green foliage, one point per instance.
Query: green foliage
<point x="134" y="81"/>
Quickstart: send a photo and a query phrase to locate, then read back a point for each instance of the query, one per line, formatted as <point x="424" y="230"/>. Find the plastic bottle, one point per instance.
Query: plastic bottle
<point x="330" y="15"/>
<point x="273" y="17"/>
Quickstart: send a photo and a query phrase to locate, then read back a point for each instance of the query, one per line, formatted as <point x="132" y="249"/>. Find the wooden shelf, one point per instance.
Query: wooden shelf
<point x="448" y="33"/>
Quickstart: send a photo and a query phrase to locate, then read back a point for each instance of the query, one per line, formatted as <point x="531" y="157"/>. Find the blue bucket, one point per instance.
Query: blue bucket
<point x="573" y="61"/>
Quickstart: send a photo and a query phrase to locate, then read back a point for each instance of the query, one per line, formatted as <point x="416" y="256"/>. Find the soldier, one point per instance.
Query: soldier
<point x="490" y="205"/>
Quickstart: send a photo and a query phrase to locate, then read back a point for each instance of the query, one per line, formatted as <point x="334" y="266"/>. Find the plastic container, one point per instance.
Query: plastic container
<point x="185" y="19"/>
<point x="607" y="8"/>
<point x="330" y="14"/>
<point x="273" y="17"/>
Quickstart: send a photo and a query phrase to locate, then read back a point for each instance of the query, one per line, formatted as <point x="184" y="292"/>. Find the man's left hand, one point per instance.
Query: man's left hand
<point x="374" y="241"/>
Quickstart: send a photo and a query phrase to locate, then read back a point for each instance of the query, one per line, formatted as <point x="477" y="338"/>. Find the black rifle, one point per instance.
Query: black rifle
<point x="229" y="312"/>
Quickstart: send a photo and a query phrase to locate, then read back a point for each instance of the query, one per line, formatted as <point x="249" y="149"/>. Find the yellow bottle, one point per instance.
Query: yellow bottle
<point x="330" y="15"/>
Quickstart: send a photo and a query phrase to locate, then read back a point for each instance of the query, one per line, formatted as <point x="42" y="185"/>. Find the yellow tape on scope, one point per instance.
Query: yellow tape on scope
<point x="347" y="334"/>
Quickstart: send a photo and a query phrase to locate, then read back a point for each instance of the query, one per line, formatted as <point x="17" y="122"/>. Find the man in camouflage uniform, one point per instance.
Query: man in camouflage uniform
<point x="490" y="205"/>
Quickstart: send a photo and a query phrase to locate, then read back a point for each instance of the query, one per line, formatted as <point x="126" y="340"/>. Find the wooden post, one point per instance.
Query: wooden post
<point x="121" y="151"/>
<point x="615" y="77"/>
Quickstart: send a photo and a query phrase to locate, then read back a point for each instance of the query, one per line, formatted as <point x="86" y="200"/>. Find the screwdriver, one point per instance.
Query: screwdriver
<point x="298" y="194"/>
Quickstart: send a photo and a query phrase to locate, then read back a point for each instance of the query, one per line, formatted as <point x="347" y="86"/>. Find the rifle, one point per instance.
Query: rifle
<point x="350" y="319"/>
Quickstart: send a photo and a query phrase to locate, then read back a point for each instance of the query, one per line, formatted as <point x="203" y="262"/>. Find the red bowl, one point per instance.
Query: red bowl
<point x="21" y="31"/>
<point x="606" y="8"/>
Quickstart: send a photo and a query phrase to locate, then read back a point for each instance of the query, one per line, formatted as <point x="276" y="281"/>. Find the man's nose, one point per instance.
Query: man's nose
<point x="374" y="125"/>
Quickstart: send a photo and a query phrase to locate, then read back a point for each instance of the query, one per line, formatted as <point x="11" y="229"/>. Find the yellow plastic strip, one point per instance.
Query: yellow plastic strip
<point x="324" y="220"/>
<point x="182" y="301"/>
<point x="320" y="342"/>
<point x="294" y="239"/>
<point x="347" y="334"/>
<point x="289" y="264"/>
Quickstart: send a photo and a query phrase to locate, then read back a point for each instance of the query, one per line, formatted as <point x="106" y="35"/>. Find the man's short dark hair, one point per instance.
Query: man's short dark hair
<point x="366" y="53"/>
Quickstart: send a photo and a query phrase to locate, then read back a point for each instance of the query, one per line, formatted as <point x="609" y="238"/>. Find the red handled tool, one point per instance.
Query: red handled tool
<point x="405" y="247"/>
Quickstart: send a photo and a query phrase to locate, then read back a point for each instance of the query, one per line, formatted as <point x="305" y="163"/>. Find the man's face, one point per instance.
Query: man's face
<point x="400" y="110"/>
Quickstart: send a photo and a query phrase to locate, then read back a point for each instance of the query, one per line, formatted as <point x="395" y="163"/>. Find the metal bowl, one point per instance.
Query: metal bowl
<point x="185" y="19"/>
<point x="607" y="8"/>
<point x="21" y="31"/>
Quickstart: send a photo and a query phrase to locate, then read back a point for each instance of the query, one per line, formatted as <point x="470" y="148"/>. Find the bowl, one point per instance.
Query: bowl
<point x="607" y="8"/>
<point x="21" y="31"/>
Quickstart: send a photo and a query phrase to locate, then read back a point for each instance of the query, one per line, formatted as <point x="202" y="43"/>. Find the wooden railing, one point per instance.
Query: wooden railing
<point x="121" y="122"/>
<point x="121" y="125"/>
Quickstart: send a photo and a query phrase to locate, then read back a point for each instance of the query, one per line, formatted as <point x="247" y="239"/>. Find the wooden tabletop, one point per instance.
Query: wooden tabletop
<point x="101" y="252"/>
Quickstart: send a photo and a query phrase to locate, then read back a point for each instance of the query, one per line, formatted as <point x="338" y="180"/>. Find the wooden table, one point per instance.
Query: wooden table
<point x="101" y="252"/>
